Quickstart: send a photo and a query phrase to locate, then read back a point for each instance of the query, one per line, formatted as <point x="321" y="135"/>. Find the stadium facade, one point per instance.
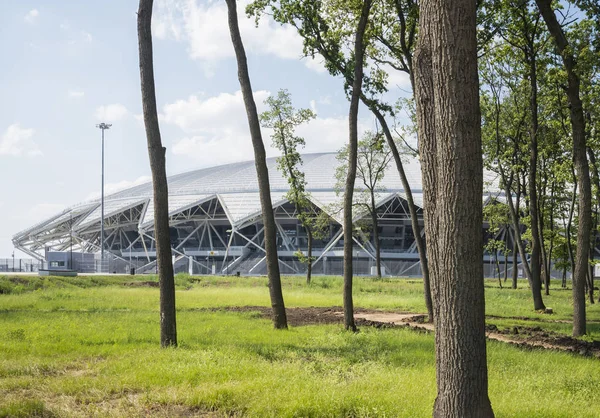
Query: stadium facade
<point x="216" y="224"/>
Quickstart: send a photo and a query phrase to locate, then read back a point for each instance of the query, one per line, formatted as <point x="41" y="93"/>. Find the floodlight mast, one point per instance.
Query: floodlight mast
<point x="102" y="126"/>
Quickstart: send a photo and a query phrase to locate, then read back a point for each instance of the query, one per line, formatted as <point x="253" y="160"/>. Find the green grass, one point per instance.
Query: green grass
<point x="89" y="347"/>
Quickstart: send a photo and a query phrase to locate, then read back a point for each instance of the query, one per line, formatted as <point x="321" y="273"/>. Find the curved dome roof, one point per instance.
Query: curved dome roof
<point x="236" y="187"/>
<point x="241" y="177"/>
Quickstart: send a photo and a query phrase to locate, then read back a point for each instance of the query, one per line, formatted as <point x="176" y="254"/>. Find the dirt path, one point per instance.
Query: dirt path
<point x="521" y="336"/>
<point x="526" y="337"/>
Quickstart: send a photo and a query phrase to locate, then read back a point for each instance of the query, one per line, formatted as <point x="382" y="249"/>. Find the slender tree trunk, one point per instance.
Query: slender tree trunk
<point x="156" y="152"/>
<point x="570" y="225"/>
<point x="449" y="123"/>
<point x="309" y="265"/>
<point x="359" y="52"/>
<point x="376" y="235"/>
<point x="498" y="268"/>
<point x="506" y="234"/>
<point x="515" y="272"/>
<point x="412" y="209"/>
<point x="535" y="260"/>
<point x="594" y="238"/>
<point x="590" y="278"/>
<point x="551" y="249"/>
<point x="277" y="303"/>
<point x="581" y="166"/>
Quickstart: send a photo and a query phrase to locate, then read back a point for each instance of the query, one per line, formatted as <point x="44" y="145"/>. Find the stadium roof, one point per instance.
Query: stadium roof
<point x="236" y="187"/>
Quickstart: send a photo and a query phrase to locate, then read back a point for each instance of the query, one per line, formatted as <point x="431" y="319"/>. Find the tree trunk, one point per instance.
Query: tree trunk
<point x="515" y="273"/>
<point x="535" y="260"/>
<point x="506" y="234"/>
<point x="277" y="303"/>
<point x="376" y="235"/>
<point x="156" y="152"/>
<point x="570" y="225"/>
<point x="590" y="278"/>
<point x="449" y="123"/>
<point x="309" y="238"/>
<point x="594" y="238"/>
<point x="498" y="268"/>
<point x="359" y="52"/>
<point x="581" y="167"/>
<point x="412" y="209"/>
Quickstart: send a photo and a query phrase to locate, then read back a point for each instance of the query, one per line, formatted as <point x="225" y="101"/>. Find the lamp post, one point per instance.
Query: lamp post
<point x="102" y="126"/>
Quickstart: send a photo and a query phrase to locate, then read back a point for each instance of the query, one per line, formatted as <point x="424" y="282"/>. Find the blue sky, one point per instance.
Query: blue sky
<point x="68" y="66"/>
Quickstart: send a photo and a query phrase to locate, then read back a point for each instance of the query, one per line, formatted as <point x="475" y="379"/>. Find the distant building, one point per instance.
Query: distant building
<point x="216" y="223"/>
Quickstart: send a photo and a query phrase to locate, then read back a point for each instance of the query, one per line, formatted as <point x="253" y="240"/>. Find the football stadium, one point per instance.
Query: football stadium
<point x="216" y="224"/>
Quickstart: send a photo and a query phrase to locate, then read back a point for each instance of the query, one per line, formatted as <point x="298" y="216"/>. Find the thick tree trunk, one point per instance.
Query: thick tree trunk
<point x="581" y="167"/>
<point x="156" y="152"/>
<point x="412" y="209"/>
<point x="277" y="303"/>
<point x="309" y="238"/>
<point x="359" y="52"/>
<point x="448" y="117"/>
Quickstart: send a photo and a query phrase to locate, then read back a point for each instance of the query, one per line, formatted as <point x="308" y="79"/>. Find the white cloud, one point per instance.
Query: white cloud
<point x="316" y="64"/>
<point x="110" y="188"/>
<point x="397" y="79"/>
<point x="17" y="141"/>
<point x="76" y="94"/>
<point x="225" y="111"/>
<point x="216" y="129"/>
<point x="111" y="112"/>
<point x="204" y="27"/>
<point x="31" y="16"/>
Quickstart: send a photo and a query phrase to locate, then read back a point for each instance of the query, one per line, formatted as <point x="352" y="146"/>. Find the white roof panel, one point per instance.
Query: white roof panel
<point x="111" y="207"/>
<point x="240" y="206"/>
<point x="176" y="205"/>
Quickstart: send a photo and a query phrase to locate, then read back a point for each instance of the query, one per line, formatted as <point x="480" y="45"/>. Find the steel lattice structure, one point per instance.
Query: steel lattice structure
<point x="215" y="219"/>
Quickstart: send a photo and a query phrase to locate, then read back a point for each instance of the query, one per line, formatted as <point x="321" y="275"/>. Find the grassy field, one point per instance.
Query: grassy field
<point x="89" y="347"/>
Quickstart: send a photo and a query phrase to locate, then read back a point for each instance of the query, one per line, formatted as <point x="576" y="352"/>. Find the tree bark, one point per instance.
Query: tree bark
<point x="515" y="272"/>
<point x="375" y="223"/>
<point x="594" y="237"/>
<point x="276" y="294"/>
<point x="156" y="152"/>
<point x="359" y="52"/>
<point x="581" y="166"/>
<point x="309" y="238"/>
<point x="535" y="260"/>
<point x="449" y="123"/>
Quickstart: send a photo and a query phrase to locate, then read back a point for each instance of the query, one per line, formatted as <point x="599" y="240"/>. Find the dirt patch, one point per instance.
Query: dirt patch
<point x="538" y="337"/>
<point x="526" y="337"/>
<point x="299" y="316"/>
<point x="141" y="284"/>
<point x="527" y="318"/>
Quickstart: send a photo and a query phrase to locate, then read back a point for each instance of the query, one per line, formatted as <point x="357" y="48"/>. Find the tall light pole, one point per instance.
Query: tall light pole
<point x="102" y="126"/>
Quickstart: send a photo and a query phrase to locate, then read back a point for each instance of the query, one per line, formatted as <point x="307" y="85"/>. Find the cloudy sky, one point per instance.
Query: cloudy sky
<point x="68" y="66"/>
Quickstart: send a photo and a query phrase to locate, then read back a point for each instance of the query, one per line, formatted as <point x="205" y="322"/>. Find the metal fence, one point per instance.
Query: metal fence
<point x="21" y="265"/>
